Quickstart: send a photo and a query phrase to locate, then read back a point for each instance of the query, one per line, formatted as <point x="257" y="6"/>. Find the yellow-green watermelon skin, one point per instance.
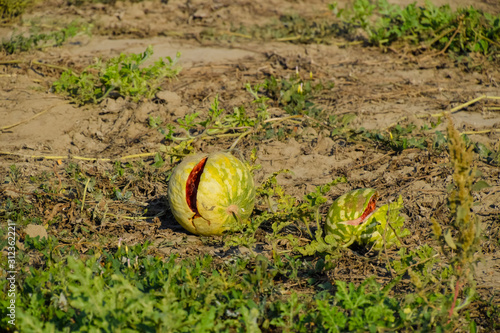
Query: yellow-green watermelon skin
<point x="225" y="194"/>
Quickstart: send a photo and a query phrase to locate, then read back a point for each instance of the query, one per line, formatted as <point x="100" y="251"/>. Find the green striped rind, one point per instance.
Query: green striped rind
<point x="226" y="194"/>
<point x="348" y="207"/>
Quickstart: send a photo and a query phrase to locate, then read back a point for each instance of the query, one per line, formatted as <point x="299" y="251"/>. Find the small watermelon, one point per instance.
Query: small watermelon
<point x="348" y="213"/>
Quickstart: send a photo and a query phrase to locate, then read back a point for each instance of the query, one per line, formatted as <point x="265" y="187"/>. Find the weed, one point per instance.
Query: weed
<point x="120" y="76"/>
<point x="131" y="289"/>
<point x="220" y="123"/>
<point x="399" y="138"/>
<point x="215" y="122"/>
<point x="14" y="174"/>
<point x="39" y="40"/>
<point x="487" y="154"/>
<point x="294" y="95"/>
<point x="10" y="9"/>
<point x="462" y="245"/>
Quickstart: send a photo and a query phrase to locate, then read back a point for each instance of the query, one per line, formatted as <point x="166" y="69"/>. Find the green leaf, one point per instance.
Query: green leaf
<point x="449" y="240"/>
<point x="479" y="185"/>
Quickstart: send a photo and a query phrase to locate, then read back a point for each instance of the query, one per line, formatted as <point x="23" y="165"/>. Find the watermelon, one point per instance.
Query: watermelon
<point x="347" y="215"/>
<point x="211" y="193"/>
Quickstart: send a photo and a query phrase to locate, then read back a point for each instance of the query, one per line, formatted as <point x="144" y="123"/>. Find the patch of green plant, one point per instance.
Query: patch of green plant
<point x="399" y="138"/>
<point x="491" y="311"/>
<point x="10" y="9"/>
<point x="38" y="40"/>
<point x="460" y="202"/>
<point x="20" y="210"/>
<point x="295" y="95"/>
<point x="132" y="290"/>
<point x="216" y="123"/>
<point x="340" y="124"/>
<point x="124" y="76"/>
<point x="457" y="32"/>
<point x="14" y="174"/>
<point x="487" y="154"/>
<point x="460" y="240"/>
<point x="129" y="289"/>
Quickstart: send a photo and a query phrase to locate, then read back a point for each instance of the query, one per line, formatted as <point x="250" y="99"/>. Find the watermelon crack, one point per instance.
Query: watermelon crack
<point x="370" y="208"/>
<point x="192" y="184"/>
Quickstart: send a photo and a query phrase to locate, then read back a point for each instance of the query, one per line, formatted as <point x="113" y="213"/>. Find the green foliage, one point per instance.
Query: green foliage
<point x="216" y="122"/>
<point x="10" y="9"/>
<point x="220" y="123"/>
<point x="340" y="124"/>
<point x="457" y="32"/>
<point x="14" y="174"/>
<point x="123" y="76"/>
<point x="128" y="289"/>
<point x="39" y="40"/>
<point x="295" y="96"/>
<point x="399" y="138"/>
<point x="487" y="154"/>
<point x="368" y="306"/>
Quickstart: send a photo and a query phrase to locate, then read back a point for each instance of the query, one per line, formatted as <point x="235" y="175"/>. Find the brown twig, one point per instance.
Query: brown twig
<point x="2" y="129"/>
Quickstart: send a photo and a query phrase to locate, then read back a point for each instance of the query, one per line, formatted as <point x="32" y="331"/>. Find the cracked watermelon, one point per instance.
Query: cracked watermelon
<point x="211" y="193"/>
<point x="346" y="219"/>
